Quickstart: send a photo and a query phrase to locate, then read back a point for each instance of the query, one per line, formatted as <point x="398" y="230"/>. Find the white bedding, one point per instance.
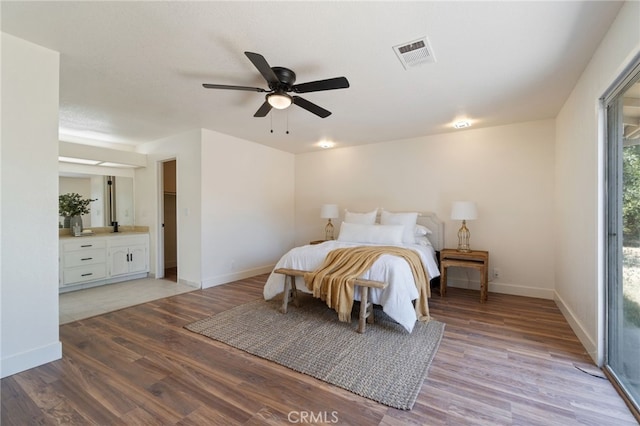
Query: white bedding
<point x="396" y="299"/>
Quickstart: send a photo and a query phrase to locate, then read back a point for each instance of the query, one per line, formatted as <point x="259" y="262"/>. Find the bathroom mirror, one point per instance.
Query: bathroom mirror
<point x="113" y="195"/>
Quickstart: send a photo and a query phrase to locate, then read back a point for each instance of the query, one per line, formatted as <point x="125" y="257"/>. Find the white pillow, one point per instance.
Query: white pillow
<point x="373" y="234"/>
<point x="423" y="241"/>
<point x="363" y="218"/>
<point x="407" y="220"/>
<point x="422" y="230"/>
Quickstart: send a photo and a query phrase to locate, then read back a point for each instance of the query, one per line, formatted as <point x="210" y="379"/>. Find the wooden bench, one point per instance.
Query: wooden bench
<point x="366" y="307"/>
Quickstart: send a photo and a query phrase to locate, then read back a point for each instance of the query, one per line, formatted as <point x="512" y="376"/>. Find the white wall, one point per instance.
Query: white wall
<point x="235" y="205"/>
<point x="29" y="223"/>
<point x="508" y="171"/>
<point x="186" y="149"/>
<point x="247" y="207"/>
<point x="579" y="195"/>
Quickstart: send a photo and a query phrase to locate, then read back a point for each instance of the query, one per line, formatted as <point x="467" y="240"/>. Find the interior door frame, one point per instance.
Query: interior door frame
<point x="160" y="249"/>
<point x="160" y="230"/>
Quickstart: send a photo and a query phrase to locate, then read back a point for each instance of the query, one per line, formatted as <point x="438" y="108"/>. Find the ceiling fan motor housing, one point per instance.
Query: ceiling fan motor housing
<point x="287" y="79"/>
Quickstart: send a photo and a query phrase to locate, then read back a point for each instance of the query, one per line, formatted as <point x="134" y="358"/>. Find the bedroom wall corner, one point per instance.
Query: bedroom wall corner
<point x="247" y="207"/>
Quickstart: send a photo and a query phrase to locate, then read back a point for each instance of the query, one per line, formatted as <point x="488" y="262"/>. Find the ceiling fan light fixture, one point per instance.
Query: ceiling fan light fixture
<point x="279" y="100"/>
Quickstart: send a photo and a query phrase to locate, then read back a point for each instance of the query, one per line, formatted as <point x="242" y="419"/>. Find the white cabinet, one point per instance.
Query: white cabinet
<point x="90" y="261"/>
<point x="83" y="261"/>
<point x="130" y="256"/>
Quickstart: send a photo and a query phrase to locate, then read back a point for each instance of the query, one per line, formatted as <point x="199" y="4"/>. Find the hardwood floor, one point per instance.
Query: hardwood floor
<point x="171" y="274"/>
<point x="513" y="360"/>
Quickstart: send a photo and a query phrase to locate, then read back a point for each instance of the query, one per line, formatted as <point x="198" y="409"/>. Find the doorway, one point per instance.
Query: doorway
<point x="169" y="224"/>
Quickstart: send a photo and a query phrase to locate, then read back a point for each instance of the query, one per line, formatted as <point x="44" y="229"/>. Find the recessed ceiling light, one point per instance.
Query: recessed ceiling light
<point x="326" y="144"/>
<point x="461" y="124"/>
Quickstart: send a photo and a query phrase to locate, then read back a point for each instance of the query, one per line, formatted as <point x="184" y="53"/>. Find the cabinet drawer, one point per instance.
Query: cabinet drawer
<point x="85" y="273"/>
<point x="86" y="244"/>
<point x="84" y="257"/>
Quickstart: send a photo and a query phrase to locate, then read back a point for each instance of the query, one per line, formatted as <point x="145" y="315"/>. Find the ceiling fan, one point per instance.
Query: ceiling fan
<point x="281" y="81"/>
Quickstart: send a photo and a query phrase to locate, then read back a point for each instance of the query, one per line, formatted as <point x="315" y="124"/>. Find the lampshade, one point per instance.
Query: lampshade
<point x="329" y="211"/>
<point x="464" y="210"/>
<point x="279" y="100"/>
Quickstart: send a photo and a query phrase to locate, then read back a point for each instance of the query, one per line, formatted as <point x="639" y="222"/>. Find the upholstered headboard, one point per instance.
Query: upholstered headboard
<point x="431" y="221"/>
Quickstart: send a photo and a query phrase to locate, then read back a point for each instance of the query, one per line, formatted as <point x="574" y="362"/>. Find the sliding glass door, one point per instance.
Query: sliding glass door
<point x="623" y="250"/>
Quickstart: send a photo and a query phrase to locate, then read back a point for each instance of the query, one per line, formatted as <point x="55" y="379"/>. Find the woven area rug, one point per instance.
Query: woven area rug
<point x="385" y="364"/>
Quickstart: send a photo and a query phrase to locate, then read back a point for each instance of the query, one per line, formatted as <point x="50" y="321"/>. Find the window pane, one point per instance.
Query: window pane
<point x="628" y="369"/>
<point x="623" y="305"/>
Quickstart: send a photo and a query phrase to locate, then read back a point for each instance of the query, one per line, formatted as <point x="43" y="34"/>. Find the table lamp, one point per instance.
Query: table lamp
<point x="329" y="211"/>
<point x="464" y="210"/>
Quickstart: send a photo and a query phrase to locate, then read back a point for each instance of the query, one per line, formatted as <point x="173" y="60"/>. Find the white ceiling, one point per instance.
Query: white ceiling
<point x="132" y="72"/>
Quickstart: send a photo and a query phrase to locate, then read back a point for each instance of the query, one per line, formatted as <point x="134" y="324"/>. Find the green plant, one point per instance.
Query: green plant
<point x="631" y="195"/>
<point x="72" y="204"/>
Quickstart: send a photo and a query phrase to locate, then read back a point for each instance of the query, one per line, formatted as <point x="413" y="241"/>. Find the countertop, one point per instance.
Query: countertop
<point x="106" y="232"/>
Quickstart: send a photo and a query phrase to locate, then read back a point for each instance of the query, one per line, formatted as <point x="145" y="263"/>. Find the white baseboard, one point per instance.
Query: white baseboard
<point x="235" y="276"/>
<point x="189" y="283"/>
<point x="586" y="340"/>
<point x="24" y="361"/>
<point x="105" y="281"/>
<point x="504" y="288"/>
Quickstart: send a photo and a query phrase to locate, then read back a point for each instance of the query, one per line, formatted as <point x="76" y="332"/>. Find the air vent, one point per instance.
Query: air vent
<point x="415" y="53"/>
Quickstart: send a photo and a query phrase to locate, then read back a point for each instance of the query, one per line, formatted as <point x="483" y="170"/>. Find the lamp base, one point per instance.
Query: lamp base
<point x="328" y="231"/>
<point x="463" y="238"/>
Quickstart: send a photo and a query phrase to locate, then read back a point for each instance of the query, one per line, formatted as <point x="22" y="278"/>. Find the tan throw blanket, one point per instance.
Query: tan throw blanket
<point x="333" y="282"/>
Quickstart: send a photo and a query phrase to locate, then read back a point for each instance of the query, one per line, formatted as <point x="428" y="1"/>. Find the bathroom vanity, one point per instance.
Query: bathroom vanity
<point x="102" y="258"/>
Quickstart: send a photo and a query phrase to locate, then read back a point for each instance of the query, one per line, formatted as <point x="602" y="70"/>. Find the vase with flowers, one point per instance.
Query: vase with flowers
<point x="72" y="206"/>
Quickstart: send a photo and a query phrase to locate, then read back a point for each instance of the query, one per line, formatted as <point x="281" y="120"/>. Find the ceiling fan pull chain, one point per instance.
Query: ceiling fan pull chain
<point x="271" y="118"/>
<point x="287" y="121"/>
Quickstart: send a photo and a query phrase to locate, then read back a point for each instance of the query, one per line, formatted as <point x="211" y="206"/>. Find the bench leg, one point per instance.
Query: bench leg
<point x="294" y="292"/>
<point x="285" y="295"/>
<point x="366" y="309"/>
<point x="290" y="293"/>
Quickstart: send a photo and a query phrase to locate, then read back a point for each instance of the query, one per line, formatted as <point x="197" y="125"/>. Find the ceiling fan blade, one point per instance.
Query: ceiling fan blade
<point x="311" y="107"/>
<point x="263" y="110"/>
<point x="263" y="66"/>
<point x="224" y="86"/>
<point x="317" y="86"/>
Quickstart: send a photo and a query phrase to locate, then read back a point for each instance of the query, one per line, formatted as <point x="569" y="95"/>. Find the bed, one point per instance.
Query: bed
<point x="357" y="230"/>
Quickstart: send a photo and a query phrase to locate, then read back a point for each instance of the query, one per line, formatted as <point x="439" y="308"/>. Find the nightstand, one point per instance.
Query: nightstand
<point x="476" y="259"/>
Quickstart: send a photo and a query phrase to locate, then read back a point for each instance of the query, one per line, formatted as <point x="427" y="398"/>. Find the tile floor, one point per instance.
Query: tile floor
<point x="86" y="303"/>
